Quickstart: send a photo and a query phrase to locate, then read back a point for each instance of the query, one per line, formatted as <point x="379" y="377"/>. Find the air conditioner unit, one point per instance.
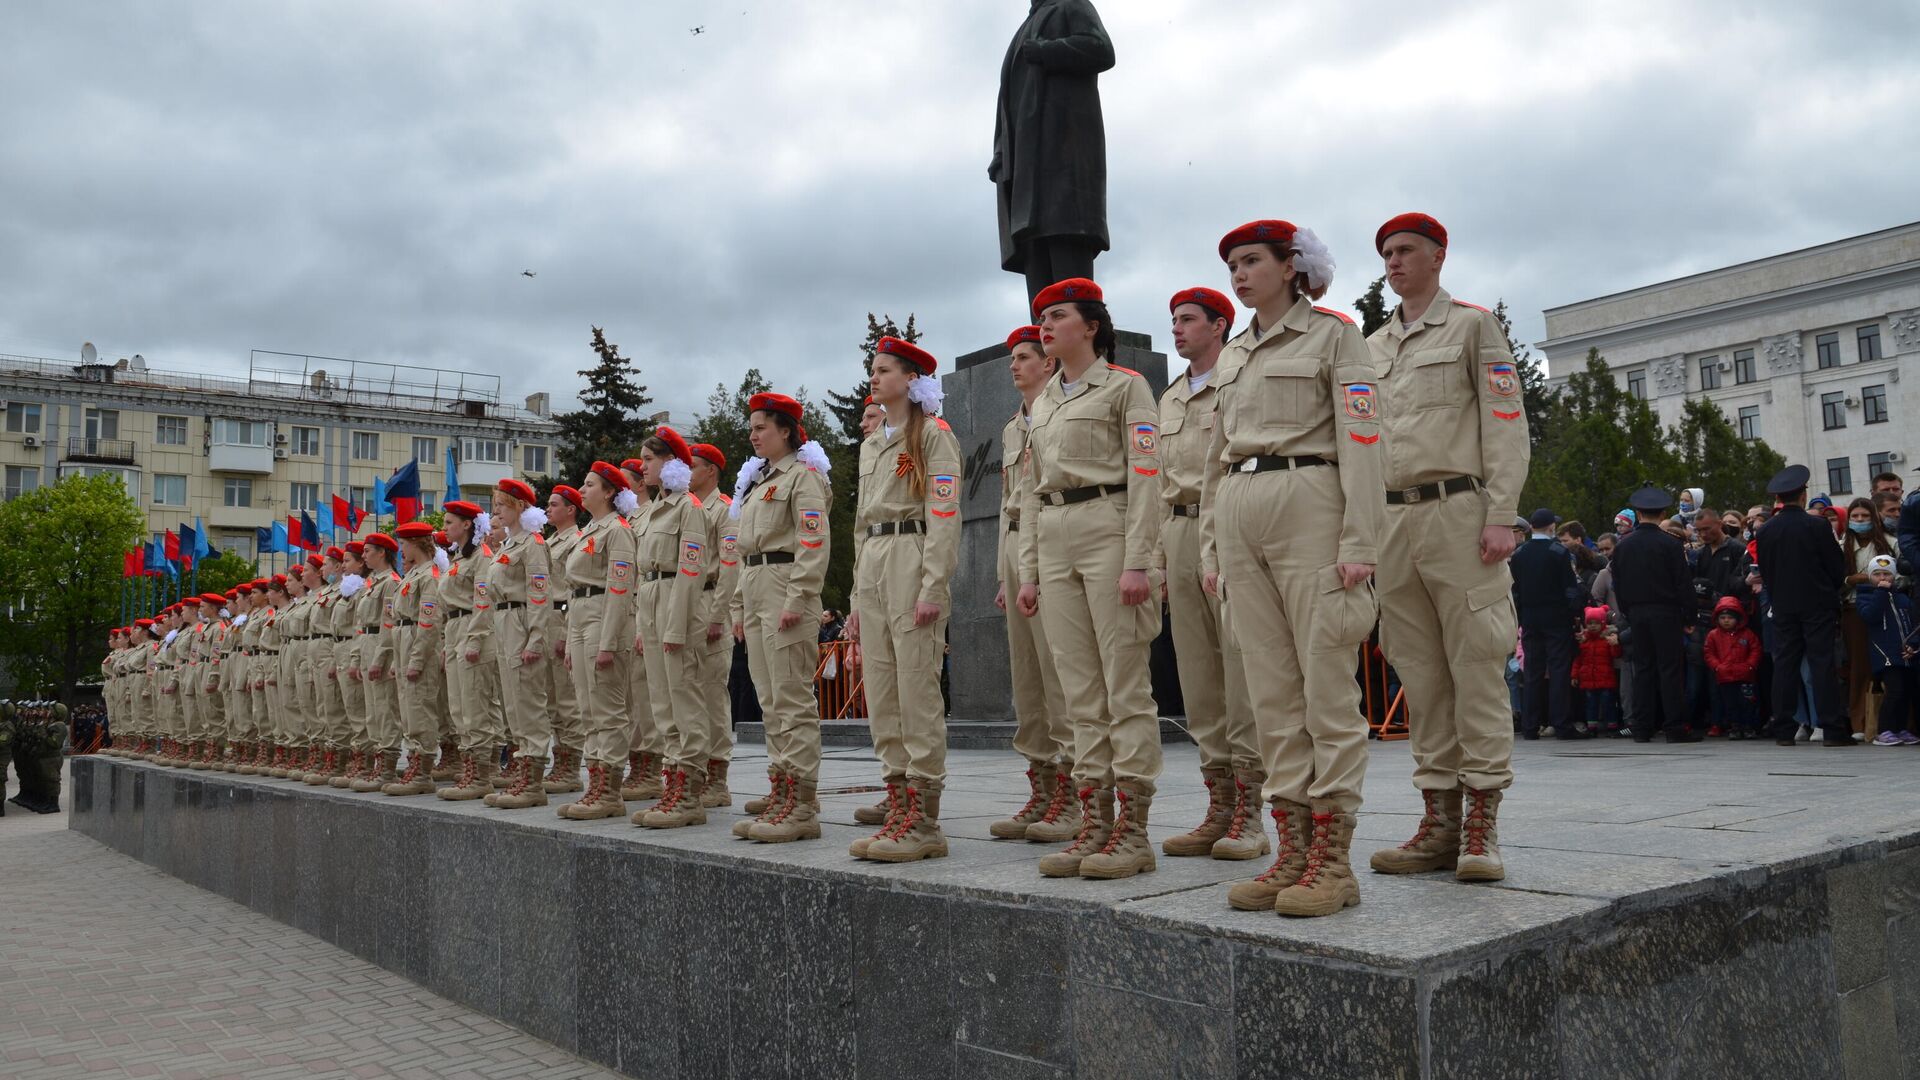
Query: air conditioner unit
<point x="1726" y="365"/>
<point x="280" y="437"/>
<point x="33" y="442"/>
<point x="1895" y="457"/>
<point x="1853" y="403"/>
<point x="279" y="453"/>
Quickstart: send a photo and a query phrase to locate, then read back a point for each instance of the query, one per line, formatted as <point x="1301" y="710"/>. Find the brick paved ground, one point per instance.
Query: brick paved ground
<point x="90" y="987"/>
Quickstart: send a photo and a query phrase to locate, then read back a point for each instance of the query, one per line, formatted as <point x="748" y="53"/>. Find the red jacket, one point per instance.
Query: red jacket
<point x="1593" y="667"/>
<point x="1732" y="655"/>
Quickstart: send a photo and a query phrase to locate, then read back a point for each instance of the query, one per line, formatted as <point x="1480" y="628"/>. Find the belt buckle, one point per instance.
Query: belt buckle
<point x="1410" y="495"/>
<point x="1251" y="464"/>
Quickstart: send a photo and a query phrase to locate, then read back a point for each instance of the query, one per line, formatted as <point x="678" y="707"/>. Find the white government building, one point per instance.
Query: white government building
<point x="1803" y="350"/>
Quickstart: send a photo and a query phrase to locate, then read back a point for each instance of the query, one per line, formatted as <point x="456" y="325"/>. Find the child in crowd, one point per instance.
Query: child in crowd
<point x="1593" y="673"/>
<point x="1733" y="656"/>
<point x="1888" y="614"/>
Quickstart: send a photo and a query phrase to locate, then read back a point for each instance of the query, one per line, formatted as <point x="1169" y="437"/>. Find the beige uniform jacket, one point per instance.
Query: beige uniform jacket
<point x="1304" y="388"/>
<point x="886" y="494"/>
<point x="517" y="573"/>
<point x="294" y="624"/>
<point x="1186" y="433"/>
<point x="672" y="538"/>
<point x="416" y="615"/>
<point x="723" y="575"/>
<point x="458" y="595"/>
<point x="786" y="510"/>
<point x="250" y="671"/>
<point x="1106" y="434"/>
<point x="1450" y="400"/>
<point x="602" y="558"/>
<point x="1016" y="475"/>
<point x="559" y="586"/>
<point x="382" y="648"/>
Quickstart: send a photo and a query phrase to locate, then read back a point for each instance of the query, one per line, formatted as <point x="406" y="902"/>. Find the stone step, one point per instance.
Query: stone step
<point x="961" y="734"/>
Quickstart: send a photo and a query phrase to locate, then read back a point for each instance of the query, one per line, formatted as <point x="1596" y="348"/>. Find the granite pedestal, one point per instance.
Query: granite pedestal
<point x="1726" y="910"/>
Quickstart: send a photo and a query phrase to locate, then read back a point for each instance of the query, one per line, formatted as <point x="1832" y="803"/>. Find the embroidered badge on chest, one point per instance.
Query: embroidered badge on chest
<point x="1360" y="401"/>
<point x="1502" y="380"/>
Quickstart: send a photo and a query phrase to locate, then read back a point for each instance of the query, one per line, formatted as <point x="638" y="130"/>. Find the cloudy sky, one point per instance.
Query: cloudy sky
<point x="367" y="180"/>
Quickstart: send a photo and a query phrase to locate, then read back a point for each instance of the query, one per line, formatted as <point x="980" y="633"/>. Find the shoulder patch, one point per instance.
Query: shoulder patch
<point x="1341" y="315"/>
<point x="1475" y="307"/>
<point x="727" y="499"/>
<point x="942" y="424"/>
<point x="695" y="499"/>
<point x="1126" y="371"/>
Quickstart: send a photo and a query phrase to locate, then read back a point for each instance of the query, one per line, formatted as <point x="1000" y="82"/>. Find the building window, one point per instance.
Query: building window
<point x="361" y="498"/>
<point x="1869" y="340"/>
<point x="1881" y="462"/>
<point x="239" y="491"/>
<point x="230" y="432"/>
<point x="1873" y="400"/>
<point x="1710" y="373"/>
<point x="170" y="431"/>
<point x="1637" y="384"/>
<point x="1839" y="476"/>
<point x="23" y="418"/>
<point x="22" y="479"/>
<point x="1833" y="411"/>
<point x="1743" y="366"/>
<point x="533" y="460"/>
<point x="1750" y="422"/>
<point x="169" y="490"/>
<point x="306" y="441"/>
<point x="1827" y="347"/>
<point x="102" y="424"/>
<point x="423" y="450"/>
<point x="492" y="451"/>
<point x="235" y="545"/>
<point x="304" y="497"/>
<point x="366" y="445"/>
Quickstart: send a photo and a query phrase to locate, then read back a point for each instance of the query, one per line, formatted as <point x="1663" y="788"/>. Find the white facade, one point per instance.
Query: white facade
<point x="1805" y="350"/>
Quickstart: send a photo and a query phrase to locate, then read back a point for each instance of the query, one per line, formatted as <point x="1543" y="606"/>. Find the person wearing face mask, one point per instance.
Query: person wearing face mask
<point x="1865" y="538"/>
<point x="1690" y="502"/>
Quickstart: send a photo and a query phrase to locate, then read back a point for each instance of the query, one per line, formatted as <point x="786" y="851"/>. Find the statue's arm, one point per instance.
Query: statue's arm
<point x="1084" y="48"/>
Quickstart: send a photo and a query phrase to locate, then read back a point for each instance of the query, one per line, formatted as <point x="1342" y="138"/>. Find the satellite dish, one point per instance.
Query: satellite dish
<point x="139" y="363"/>
<point x="89" y="354"/>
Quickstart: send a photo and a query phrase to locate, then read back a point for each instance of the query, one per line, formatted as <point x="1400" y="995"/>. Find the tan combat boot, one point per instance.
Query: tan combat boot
<point x="767" y="807"/>
<point x="1327" y="884"/>
<point x="374" y="779"/>
<point x="1059" y="820"/>
<point x="565" y="774"/>
<point x="1096" y="824"/>
<point x="1041" y="778"/>
<point x="716" y="794"/>
<point x="243" y="760"/>
<point x="1246" y="838"/>
<point x="896" y="798"/>
<point x="416" y="780"/>
<point x="200" y="756"/>
<point x="681" y="806"/>
<point x="1480" y="837"/>
<point x="526" y="791"/>
<point x="601" y="799"/>
<point x="467" y="783"/>
<point x="503" y="778"/>
<point x="645" y="778"/>
<point x="448" y="767"/>
<point x="1292" y="822"/>
<point x="323" y="769"/>
<point x="1127" y="851"/>
<point x="348" y="771"/>
<point x="506" y="779"/>
<point x="882" y="812"/>
<point x="1436" y="840"/>
<point x="1220" y="803"/>
<point x="278" y="765"/>
<point x="798" y="817"/>
<point x="916" y="833"/>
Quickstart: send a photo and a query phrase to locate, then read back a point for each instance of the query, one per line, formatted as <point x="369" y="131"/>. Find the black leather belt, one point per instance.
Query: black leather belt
<point x="559" y="605"/>
<point x="1271" y="462"/>
<point x="458" y="613"/>
<point x="1191" y="510"/>
<point x="770" y="558"/>
<point x="1422" y="493"/>
<point x="404" y="621"/>
<point x="896" y="528"/>
<point x="656" y="575"/>
<point x="1080" y="495"/>
<point x="508" y="605"/>
<point x="585" y="591"/>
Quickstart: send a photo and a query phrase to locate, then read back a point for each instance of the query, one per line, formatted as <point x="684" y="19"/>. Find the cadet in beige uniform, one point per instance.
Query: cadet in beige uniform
<point x="646" y="743"/>
<point x="283" y="696"/>
<point x="1089" y="570"/>
<point x="347" y="641"/>
<point x="715" y="661"/>
<point x="417" y="656"/>
<point x="379" y="657"/>
<point x="600" y="636"/>
<point x="1289" y="524"/>
<point x="473" y="668"/>
<point x="302" y="673"/>
<point x="516" y="583"/>
<point x="1213" y="678"/>
<point x="201" y="751"/>
<point x="1043" y="733"/>
<point x="330" y="701"/>
<point x="230" y="684"/>
<point x="563" y="514"/>
<point x="781" y="500"/>
<point x="1457" y="455"/>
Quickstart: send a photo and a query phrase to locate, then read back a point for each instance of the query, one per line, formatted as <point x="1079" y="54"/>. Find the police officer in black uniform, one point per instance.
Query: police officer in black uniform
<point x="1804" y="568"/>
<point x="1655" y="590"/>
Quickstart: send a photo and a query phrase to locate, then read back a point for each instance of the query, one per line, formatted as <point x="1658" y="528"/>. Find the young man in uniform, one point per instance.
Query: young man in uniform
<point x="1457" y="452"/>
<point x="1213" y="679"/>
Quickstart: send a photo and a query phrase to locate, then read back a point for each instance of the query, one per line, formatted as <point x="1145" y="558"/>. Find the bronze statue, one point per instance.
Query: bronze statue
<point x="1050" y="145"/>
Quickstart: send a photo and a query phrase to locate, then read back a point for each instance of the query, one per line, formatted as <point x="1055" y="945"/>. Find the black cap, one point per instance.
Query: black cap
<point x="1649" y="499"/>
<point x="1543" y="518"/>
<point x="1789" y="480"/>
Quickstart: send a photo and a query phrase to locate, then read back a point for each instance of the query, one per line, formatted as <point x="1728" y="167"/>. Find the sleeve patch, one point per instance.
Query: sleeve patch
<point x="812" y="522"/>
<point x="1146" y="472"/>
<point x="943" y="513"/>
<point x="1364" y="440"/>
<point x="811" y="543"/>
<point x="1146" y="438"/>
<point x="943" y="488"/>
<point x="1360" y="401"/>
<point x="1507" y="415"/>
<point x="1502" y="379"/>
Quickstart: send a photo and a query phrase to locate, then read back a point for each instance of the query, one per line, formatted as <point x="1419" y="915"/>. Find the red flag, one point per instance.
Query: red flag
<point x="346" y="515"/>
<point x="405" y="510"/>
<point x="173" y="545"/>
<point x="294" y="539"/>
<point x="130" y="565"/>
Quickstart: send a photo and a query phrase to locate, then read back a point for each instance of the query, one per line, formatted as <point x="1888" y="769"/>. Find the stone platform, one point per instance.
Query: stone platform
<point x="1717" y="910"/>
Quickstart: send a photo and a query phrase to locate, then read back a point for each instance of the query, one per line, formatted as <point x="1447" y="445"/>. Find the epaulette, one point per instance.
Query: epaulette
<point x="727" y="499"/>
<point x="1475" y="307"/>
<point x="695" y="499"/>
<point x="944" y="426"/>
<point x="1341" y="315"/>
<point x="1126" y="371"/>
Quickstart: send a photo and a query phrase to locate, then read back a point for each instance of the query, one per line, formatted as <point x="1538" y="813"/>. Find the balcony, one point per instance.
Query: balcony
<point x="240" y="458"/>
<point x="483" y="474"/>
<point x="102" y="451"/>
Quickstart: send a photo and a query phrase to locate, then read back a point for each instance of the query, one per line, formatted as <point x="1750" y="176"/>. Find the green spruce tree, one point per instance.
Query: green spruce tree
<point x="1712" y="456"/>
<point x="1373" y="307"/>
<point x="846" y="408"/>
<point x="609" y="425"/>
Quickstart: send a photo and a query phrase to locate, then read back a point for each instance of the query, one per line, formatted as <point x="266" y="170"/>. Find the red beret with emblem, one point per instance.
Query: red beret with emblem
<point x="190" y="601"/>
<point x="1416" y="223"/>
<point x="356" y="547"/>
<point x="213" y="598"/>
<point x="569" y="493"/>
<point x="382" y="540"/>
<point x="908" y="351"/>
<point x="519" y="489"/>
<point x="612" y="475"/>
<point x="635" y="466"/>
<point x="710" y="452"/>
<point x="781" y="404"/>
<point x="1023" y="334"/>
<point x="1212" y="301"/>
<point x="676" y="445"/>
<point x="315" y="561"/>
<point x="336" y="554"/>
<point x="463" y="508"/>
<point x="1072" y="290"/>
<point x="278" y="581"/>
<point x="441" y="538"/>
<point x="413" y="530"/>
<point x="1268" y="231"/>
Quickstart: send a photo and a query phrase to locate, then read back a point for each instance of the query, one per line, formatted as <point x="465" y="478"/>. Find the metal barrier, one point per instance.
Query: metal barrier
<point x="1387" y="715"/>
<point x="838" y="682"/>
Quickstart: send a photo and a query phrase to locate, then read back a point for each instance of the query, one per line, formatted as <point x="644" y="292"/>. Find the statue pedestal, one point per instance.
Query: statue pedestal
<point x="980" y="398"/>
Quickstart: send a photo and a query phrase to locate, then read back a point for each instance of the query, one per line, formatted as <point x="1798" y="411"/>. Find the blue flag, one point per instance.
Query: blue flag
<point x="201" y="549"/>
<point x="380" y="495"/>
<point x="325" y="517"/>
<point x="309" y="532"/>
<point x="157" y="557"/>
<point x="403" y="491"/>
<point x="263" y="539"/>
<point x="453" y="473"/>
<point x="279" y="543"/>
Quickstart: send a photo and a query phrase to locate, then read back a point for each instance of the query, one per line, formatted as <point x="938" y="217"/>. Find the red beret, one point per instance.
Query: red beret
<point x="779" y="403"/>
<point x="414" y="530"/>
<point x="278" y="581"/>
<point x="612" y="475"/>
<point x="569" y="493"/>
<point x="336" y="554"/>
<point x="1269" y="231"/>
<point x="676" y="445"/>
<point x="1418" y="224"/>
<point x="143" y="623"/>
<point x="712" y="453"/>
<point x="213" y="598"/>
<point x="463" y="508"/>
<point x="233" y="593"/>
<point x="1025" y="333"/>
<point x="1060" y="292"/>
<point x="635" y="466"/>
<point x="1212" y="301"/>
<point x="441" y="538"/>
<point x="908" y="351"/>
<point x="315" y="561"/>
<point x="382" y="540"/>
<point x="190" y="601"/>
<point x="519" y="489"/>
<point x="355" y="547"/>
<point x="869" y="401"/>
<point x="245" y="588"/>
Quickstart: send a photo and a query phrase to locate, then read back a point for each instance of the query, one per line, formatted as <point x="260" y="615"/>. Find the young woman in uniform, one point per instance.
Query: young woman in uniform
<point x="716" y="650"/>
<point x="473" y="667"/>
<point x="517" y="593"/>
<point x="348" y="640"/>
<point x="600" y="637"/>
<point x="563" y="516"/>
<point x="417" y="629"/>
<point x="646" y="742"/>
<point x="379" y="655"/>
<point x="906" y="535"/>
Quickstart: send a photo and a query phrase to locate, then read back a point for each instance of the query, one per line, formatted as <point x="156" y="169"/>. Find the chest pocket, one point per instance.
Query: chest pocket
<point x="1083" y="434"/>
<point x="1436" y="379"/>
<point x="1292" y="394"/>
<point x="765" y="521"/>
